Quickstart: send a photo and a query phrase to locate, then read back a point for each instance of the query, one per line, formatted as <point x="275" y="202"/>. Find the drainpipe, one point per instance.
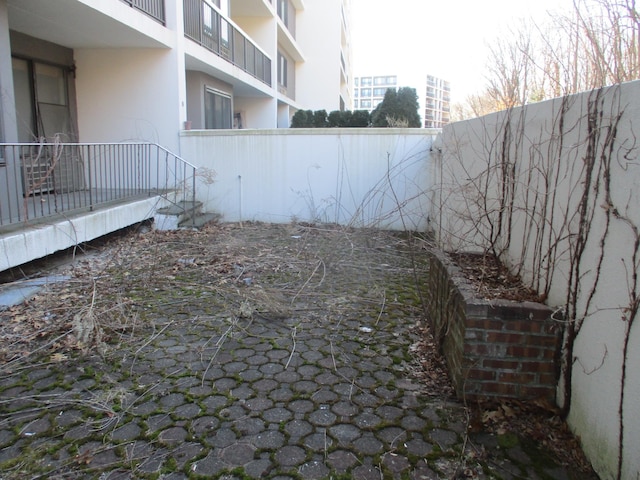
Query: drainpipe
<point x="240" y="198"/>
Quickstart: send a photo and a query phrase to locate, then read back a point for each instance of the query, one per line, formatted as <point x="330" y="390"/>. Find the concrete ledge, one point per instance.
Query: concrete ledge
<point x="38" y="240"/>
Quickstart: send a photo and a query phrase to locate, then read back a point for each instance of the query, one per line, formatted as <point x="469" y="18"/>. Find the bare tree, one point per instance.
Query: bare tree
<point x="596" y="44"/>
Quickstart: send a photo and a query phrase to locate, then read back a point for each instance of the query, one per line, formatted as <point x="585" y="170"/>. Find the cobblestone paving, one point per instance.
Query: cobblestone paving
<point x="220" y="387"/>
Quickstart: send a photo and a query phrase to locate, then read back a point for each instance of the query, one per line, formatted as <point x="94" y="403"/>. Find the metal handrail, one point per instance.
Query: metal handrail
<point x="153" y="8"/>
<point x="40" y="180"/>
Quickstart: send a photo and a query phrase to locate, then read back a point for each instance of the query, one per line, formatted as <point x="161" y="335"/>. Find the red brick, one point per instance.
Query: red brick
<point x="480" y="374"/>
<point x="538" y="367"/>
<point x="516" y="377"/>
<point x="500" y="337"/>
<point x="484" y="323"/>
<point x="543" y="340"/>
<point x="547" y="379"/>
<point x="482" y="349"/>
<point x="524" y="325"/>
<point x="506" y="389"/>
<point x="549" y="354"/>
<point x="524" y="352"/>
<point x="499" y="363"/>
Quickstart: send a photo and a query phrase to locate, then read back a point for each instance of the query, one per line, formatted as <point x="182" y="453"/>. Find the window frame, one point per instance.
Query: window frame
<point x="228" y="122"/>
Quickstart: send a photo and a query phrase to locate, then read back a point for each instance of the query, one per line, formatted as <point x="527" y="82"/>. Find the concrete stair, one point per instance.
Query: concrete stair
<point x="183" y="215"/>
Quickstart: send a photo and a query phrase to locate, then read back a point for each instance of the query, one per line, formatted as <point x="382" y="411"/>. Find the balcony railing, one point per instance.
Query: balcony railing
<point x="50" y="179"/>
<point x="206" y="26"/>
<point x="153" y="8"/>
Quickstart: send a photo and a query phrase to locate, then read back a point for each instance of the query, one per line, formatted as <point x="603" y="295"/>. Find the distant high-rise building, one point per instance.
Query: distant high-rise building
<point x="434" y="98"/>
<point x="369" y="91"/>
<point x="436" y="104"/>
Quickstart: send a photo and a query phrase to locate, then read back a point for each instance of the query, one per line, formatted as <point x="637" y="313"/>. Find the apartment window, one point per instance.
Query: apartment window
<point x="365" y="103"/>
<point x="356" y="92"/>
<point x="217" y="109"/>
<point x="355" y="104"/>
<point x="365" y="81"/>
<point x="388" y="80"/>
<point x="379" y="92"/>
<point x="365" y="92"/>
<point x="282" y="70"/>
<point x="42" y="104"/>
<point x="283" y="11"/>
<point x="357" y="81"/>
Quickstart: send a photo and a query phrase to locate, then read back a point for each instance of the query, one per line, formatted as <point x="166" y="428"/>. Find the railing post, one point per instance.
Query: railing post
<point x="90" y="180"/>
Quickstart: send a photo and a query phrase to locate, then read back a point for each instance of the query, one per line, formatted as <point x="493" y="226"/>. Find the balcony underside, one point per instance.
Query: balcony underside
<point x="73" y="24"/>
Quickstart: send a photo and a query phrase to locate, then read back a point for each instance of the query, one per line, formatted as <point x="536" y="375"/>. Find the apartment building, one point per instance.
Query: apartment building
<point x="115" y="70"/>
<point x="369" y="91"/>
<point x="433" y="99"/>
<point x="437" y="102"/>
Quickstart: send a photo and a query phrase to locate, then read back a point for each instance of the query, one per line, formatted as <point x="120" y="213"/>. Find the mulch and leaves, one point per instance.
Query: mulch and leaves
<point x="106" y="303"/>
<point x="491" y="279"/>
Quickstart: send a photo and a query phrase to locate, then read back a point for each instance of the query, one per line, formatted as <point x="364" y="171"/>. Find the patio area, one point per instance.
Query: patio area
<point x="250" y="351"/>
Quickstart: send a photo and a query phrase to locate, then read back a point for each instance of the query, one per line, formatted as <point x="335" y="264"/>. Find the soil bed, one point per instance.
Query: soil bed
<point x="491" y="278"/>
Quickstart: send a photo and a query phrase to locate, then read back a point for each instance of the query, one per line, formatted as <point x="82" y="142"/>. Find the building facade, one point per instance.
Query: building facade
<point x="114" y="70"/>
<point x="437" y="102"/>
<point x="368" y="91"/>
<point x="433" y="99"/>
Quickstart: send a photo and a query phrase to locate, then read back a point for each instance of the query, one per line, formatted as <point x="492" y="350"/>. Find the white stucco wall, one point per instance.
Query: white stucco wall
<point x="547" y="147"/>
<point x="130" y="95"/>
<point x="316" y="175"/>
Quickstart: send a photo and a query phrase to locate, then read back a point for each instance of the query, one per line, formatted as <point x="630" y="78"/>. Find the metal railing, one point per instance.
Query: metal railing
<point x="41" y="180"/>
<point x="206" y="26"/>
<point x="153" y="8"/>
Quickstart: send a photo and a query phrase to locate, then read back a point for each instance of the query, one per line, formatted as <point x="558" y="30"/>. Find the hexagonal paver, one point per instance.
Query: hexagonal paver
<point x="318" y="442"/>
<point x="298" y="428"/>
<point x="395" y="463"/>
<point x="290" y="456"/>
<point x="322" y="418"/>
<point x="173" y="435"/>
<point x="368" y="445"/>
<point x="269" y="440"/>
<point x="367" y="421"/>
<point x="342" y="460"/>
<point x="276" y="415"/>
<point x="238" y="454"/>
<point x="314" y="469"/>
<point x="345" y="433"/>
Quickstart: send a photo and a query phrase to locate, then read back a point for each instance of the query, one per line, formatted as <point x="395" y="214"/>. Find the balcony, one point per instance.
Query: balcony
<point x="210" y="29"/>
<point x="153" y="8"/>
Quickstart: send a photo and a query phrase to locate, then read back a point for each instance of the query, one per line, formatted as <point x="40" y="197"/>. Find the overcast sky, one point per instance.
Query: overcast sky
<point x="444" y="38"/>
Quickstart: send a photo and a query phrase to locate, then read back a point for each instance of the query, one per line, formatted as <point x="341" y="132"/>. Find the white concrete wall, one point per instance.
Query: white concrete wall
<point x="555" y="200"/>
<point x="130" y="95"/>
<point x="319" y="36"/>
<point x="315" y="175"/>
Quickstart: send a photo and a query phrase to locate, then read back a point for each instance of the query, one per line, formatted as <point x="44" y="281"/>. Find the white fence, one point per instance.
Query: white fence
<point x="553" y="189"/>
<point x="354" y="177"/>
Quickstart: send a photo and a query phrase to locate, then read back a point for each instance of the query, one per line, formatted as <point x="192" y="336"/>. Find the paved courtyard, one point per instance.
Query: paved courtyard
<point x="236" y="352"/>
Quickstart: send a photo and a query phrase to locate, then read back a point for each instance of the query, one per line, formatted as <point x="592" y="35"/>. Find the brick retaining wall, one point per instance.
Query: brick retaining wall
<point x="496" y="348"/>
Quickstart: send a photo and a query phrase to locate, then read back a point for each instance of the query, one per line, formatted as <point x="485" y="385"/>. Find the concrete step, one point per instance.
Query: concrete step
<point x="170" y="217"/>
<point x="181" y="208"/>
<point x="200" y="221"/>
